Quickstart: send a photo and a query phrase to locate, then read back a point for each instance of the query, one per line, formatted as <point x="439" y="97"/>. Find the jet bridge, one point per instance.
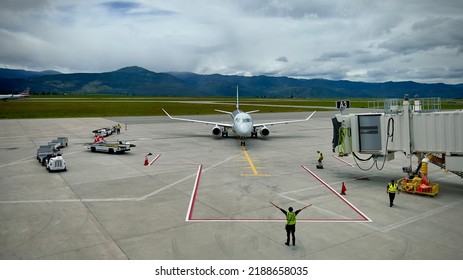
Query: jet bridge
<point x="417" y="128"/>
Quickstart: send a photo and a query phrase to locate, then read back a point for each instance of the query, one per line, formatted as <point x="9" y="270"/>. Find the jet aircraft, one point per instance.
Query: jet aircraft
<point x="22" y="95"/>
<point x="242" y="124"/>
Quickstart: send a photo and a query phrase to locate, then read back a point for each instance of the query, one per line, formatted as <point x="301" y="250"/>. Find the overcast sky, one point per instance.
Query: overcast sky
<point x="358" y="40"/>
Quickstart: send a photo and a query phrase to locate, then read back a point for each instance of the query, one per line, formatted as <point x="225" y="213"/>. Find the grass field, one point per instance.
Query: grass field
<point x="108" y="106"/>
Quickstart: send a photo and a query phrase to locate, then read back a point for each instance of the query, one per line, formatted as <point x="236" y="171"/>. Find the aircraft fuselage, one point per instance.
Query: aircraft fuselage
<point x="242" y="123"/>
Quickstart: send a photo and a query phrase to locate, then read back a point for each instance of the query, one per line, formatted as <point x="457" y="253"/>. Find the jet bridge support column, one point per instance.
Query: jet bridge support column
<point x="406" y="127"/>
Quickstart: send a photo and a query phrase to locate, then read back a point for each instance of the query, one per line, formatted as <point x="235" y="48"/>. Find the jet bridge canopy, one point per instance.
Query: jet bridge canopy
<point x="403" y="127"/>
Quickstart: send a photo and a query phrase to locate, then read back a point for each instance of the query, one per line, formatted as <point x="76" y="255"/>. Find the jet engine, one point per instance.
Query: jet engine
<point x="216" y="130"/>
<point x="264" y="131"/>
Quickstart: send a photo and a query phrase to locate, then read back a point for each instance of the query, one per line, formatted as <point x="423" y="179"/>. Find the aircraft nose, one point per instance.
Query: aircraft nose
<point x="244" y="129"/>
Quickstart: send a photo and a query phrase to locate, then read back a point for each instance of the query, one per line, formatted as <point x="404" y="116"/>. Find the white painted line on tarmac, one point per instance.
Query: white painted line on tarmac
<point x="184" y="179"/>
<point x="30" y="159"/>
<point x="68" y="200"/>
<point x="116" y="199"/>
<point x="19" y="161"/>
<point x="189" y="214"/>
<point x="346" y="162"/>
<point x="155" y="158"/>
<point x="340" y="217"/>
<point x="421" y="216"/>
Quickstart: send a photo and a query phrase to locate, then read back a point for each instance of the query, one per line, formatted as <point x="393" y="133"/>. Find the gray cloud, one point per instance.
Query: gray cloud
<point x="364" y="40"/>
<point x="282" y="59"/>
<point x="428" y="34"/>
<point x="332" y="55"/>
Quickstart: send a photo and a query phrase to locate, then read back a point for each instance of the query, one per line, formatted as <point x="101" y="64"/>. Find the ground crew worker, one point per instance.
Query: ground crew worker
<point x="320" y="158"/>
<point x="391" y="190"/>
<point x="290" y="222"/>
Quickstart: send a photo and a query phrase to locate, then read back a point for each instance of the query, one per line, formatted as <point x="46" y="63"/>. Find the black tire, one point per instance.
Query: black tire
<point x="93" y="149"/>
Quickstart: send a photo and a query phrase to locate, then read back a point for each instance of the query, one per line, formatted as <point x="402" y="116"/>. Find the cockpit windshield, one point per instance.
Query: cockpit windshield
<point x="243" y="120"/>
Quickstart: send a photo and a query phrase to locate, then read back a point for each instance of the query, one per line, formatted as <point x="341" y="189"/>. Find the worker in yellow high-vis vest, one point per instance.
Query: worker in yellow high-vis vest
<point x="392" y="189"/>
<point x="290" y="222"/>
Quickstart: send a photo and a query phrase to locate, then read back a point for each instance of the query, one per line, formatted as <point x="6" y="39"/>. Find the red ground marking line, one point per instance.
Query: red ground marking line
<point x="155" y="158"/>
<point x="189" y="216"/>
<point x="272" y="220"/>
<point x="365" y="218"/>
<point x="346" y="162"/>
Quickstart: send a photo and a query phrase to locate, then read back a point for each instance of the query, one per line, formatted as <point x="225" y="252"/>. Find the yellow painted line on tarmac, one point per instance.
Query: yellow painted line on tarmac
<point x="254" y="175"/>
<point x="251" y="164"/>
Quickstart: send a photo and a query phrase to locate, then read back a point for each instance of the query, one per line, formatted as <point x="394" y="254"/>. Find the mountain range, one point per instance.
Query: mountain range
<point x="137" y="81"/>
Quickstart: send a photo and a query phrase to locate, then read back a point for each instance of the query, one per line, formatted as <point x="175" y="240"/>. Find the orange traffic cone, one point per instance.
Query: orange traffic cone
<point x="146" y="160"/>
<point x="343" y="189"/>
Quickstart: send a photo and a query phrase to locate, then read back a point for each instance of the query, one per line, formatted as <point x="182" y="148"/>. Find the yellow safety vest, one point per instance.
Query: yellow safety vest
<point x="392" y="188"/>
<point x="291" y="218"/>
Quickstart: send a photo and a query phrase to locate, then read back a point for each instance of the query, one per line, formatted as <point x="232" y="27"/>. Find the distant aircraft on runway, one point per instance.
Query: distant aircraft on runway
<point x="22" y="95"/>
<point x="242" y="123"/>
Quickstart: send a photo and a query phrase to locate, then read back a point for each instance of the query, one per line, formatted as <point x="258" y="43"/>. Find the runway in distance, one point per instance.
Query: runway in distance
<point x="22" y="95"/>
<point x="242" y="124"/>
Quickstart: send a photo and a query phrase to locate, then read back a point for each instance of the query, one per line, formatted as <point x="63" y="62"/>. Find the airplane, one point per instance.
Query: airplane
<point x="22" y="95"/>
<point x="242" y="125"/>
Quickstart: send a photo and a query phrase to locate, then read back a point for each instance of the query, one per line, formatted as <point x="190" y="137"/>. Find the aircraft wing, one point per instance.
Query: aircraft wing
<point x="283" y="122"/>
<point x="198" y="121"/>
<point x="5" y="97"/>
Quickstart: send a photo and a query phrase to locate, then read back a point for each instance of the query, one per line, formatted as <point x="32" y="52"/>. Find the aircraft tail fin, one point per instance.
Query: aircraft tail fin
<point x="237" y="100"/>
<point x="25" y="93"/>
